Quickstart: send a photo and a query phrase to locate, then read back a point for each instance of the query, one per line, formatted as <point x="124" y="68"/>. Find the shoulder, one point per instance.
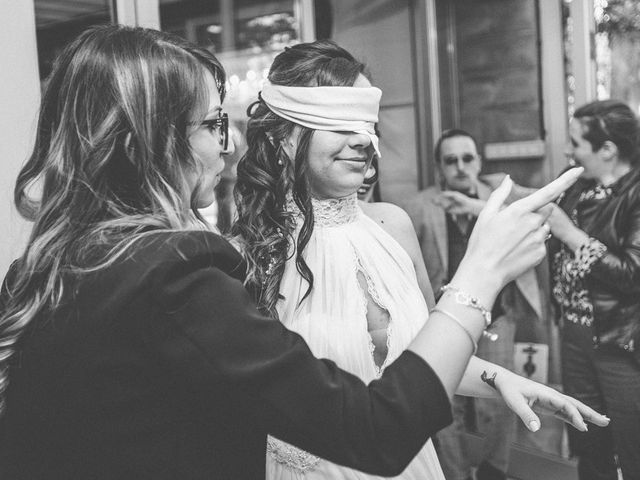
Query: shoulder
<point x="179" y="269"/>
<point x="426" y="194"/>
<point x="492" y="180"/>
<point x="631" y="186"/>
<point x="383" y="212"/>
<point x="391" y="218"/>
<point x="423" y="201"/>
<point x="187" y="251"/>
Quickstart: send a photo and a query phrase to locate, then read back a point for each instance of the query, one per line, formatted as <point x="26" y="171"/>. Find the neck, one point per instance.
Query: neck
<point x="619" y="170"/>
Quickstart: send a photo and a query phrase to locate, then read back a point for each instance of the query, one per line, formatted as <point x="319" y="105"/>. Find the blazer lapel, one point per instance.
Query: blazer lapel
<point x="484" y="191"/>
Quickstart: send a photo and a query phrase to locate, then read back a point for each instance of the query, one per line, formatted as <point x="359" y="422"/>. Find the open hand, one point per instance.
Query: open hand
<point x="457" y="203"/>
<point x="523" y="396"/>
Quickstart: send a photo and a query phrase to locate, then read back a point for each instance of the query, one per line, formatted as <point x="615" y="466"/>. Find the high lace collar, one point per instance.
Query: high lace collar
<point x="331" y="212"/>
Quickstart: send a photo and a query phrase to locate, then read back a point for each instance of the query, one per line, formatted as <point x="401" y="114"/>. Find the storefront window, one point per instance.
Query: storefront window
<point x="60" y="21"/>
<point x="617" y="42"/>
<point x="245" y="35"/>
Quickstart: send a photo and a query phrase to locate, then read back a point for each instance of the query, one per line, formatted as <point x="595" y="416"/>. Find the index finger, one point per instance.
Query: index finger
<point x="589" y="414"/>
<point x="549" y="192"/>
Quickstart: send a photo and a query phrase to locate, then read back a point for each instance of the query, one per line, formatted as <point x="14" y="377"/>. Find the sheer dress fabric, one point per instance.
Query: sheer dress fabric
<point x="346" y="244"/>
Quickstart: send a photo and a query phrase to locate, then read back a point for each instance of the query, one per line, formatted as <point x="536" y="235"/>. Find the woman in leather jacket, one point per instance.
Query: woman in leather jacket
<point x="596" y="283"/>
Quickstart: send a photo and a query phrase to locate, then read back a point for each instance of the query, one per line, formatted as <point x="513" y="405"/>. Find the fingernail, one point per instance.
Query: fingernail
<point x="534" y="425"/>
<point x="584" y="426"/>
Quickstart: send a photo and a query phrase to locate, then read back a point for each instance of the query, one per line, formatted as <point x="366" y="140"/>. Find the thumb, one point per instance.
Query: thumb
<point x="498" y="197"/>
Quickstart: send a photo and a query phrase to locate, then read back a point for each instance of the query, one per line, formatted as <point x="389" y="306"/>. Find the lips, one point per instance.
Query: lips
<point x="353" y="159"/>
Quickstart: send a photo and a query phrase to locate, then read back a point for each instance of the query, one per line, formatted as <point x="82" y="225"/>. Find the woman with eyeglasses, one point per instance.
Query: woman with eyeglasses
<point x="596" y="283"/>
<point x="347" y="276"/>
<point x="129" y="348"/>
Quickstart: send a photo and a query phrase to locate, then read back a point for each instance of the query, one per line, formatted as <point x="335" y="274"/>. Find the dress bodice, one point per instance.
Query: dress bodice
<point x="346" y="244"/>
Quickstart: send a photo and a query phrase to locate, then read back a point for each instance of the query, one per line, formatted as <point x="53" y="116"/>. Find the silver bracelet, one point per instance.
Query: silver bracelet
<point x="463" y="298"/>
<point x="462" y="325"/>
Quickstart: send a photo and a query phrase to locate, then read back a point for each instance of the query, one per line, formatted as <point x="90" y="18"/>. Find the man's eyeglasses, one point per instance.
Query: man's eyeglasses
<point x="221" y="125"/>
<point x="450" y="160"/>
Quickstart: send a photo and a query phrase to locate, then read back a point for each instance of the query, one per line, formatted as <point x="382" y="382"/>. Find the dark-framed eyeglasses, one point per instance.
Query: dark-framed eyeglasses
<point x="450" y="160"/>
<point x="220" y="125"/>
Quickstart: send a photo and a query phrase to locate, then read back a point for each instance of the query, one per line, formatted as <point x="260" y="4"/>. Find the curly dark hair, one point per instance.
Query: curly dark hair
<point x="266" y="176"/>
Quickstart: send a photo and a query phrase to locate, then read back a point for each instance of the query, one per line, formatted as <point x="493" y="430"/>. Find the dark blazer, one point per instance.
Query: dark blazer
<point x="160" y="367"/>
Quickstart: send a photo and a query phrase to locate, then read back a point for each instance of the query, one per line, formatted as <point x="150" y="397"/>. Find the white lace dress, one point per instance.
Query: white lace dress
<point x="346" y="244"/>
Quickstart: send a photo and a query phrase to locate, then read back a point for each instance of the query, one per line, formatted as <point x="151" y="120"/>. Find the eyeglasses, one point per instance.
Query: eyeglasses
<point x="221" y="125"/>
<point x="451" y="160"/>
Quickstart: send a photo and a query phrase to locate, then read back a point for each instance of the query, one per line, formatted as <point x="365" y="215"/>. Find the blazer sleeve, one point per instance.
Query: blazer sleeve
<point x="207" y="326"/>
<point x="620" y="268"/>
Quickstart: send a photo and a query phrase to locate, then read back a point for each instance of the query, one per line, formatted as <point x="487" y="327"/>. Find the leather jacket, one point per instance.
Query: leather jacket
<point x="613" y="282"/>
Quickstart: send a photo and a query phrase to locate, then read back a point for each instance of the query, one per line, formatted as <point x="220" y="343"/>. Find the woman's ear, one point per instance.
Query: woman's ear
<point x="290" y="144"/>
<point x="609" y="150"/>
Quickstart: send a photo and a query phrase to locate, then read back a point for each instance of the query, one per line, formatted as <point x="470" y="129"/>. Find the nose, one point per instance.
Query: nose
<point x="460" y="163"/>
<point x="231" y="146"/>
<point x="359" y="140"/>
<point x="568" y="151"/>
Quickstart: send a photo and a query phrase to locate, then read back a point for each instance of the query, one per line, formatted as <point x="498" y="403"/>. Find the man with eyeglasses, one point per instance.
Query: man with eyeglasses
<point x="443" y="216"/>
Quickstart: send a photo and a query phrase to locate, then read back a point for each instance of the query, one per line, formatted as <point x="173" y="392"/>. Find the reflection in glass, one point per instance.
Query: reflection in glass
<point x="60" y="21"/>
<point x="617" y="45"/>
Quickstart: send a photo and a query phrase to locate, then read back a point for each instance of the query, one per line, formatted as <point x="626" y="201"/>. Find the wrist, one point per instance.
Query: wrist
<point x="576" y="239"/>
<point x="501" y="376"/>
<point x="478" y="281"/>
<point x="477" y="206"/>
<point x="463" y="298"/>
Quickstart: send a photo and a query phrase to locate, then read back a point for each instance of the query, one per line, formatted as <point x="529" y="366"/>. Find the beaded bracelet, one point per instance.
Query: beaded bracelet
<point x="462" y="325"/>
<point x="463" y="298"/>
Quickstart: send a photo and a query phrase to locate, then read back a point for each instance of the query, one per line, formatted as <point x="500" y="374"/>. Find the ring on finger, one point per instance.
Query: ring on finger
<point x="547" y="228"/>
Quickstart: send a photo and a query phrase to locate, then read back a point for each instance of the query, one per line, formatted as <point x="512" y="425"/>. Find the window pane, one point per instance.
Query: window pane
<point x="617" y="44"/>
<point x="59" y="21"/>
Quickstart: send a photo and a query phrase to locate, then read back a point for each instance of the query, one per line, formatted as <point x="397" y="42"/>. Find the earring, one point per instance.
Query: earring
<point x="280" y="162"/>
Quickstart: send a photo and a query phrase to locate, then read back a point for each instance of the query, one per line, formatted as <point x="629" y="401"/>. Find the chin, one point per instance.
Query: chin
<point x="205" y="201"/>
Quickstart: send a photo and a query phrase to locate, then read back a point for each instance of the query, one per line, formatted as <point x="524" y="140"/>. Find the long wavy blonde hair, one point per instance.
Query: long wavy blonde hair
<point x="111" y="161"/>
